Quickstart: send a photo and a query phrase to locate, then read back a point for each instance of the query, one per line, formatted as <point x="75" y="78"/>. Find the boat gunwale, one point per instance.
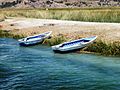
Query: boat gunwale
<point x="33" y="37"/>
<point x="78" y="41"/>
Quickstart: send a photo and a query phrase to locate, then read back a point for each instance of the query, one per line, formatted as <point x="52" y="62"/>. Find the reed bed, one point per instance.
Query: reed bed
<point x="103" y="48"/>
<point x="2" y="17"/>
<point x="6" y="34"/>
<point x="92" y="15"/>
<point x="100" y="47"/>
<point x="55" y="40"/>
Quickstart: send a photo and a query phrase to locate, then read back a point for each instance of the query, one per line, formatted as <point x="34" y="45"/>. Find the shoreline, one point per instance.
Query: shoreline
<point x="63" y="30"/>
<point x="71" y="29"/>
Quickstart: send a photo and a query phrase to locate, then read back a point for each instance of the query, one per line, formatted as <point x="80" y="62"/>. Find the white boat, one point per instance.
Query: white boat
<point x="73" y="45"/>
<point x="32" y="40"/>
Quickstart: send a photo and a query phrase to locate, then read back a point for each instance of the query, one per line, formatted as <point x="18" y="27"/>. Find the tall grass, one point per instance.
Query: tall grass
<point x="92" y="15"/>
<point x="103" y="48"/>
<point x="100" y="47"/>
<point x="6" y="34"/>
<point x="55" y="40"/>
<point x="2" y="17"/>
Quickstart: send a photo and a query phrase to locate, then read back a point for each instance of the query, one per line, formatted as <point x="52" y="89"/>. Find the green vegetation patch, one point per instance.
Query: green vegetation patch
<point x="103" y="48"/>
<point x="83" y="14"/>
<point x="55" y="40"/>
<point x="8" y="34"/>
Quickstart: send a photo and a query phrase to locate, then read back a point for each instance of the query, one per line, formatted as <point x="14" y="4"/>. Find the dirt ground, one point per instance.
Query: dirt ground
<point x="71" y="29"/>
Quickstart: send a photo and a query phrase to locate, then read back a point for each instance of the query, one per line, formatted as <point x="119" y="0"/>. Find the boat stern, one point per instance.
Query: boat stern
<point x="56" y="47"/>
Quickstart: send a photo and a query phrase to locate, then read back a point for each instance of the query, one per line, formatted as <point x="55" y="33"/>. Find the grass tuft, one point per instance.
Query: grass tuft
<point x="55" y="40"/>
<point x="103" y="48"/>
<point x="7" y="34"/>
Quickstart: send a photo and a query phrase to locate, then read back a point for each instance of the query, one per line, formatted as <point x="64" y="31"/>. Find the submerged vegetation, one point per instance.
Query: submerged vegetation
<point x="84" y="14"/>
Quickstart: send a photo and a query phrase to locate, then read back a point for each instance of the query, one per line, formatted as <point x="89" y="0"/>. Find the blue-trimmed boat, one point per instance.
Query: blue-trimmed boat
<point x="73" y="45"/>
<point x="33" y="40"/>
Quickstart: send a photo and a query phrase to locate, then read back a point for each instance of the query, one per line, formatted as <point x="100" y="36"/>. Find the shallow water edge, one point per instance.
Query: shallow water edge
<point x="37" y="67"/>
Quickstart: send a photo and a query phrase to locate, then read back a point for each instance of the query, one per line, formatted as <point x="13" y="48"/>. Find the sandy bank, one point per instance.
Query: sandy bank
<point x="30" y="26"/>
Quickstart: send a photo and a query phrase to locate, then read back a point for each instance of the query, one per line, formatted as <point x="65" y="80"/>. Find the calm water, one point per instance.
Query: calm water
<point x="38" y="68"/>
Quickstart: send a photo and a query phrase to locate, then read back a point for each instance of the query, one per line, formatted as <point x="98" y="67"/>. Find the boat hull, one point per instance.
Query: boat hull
<point x="68" y="51"/>
<point x="30" y="44"/>
<point x="33" y="40"/>
<point x="73" y="45"/>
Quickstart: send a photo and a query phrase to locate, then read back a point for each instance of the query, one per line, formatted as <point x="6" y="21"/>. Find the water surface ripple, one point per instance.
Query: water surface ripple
<point x="38" y="68"/>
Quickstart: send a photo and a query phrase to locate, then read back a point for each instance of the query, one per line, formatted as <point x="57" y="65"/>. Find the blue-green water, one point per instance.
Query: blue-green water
<point x="38" y="68"/>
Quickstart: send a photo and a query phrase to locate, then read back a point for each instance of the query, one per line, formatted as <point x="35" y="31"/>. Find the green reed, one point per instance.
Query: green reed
<point x="54" y="40"/>
<point x="6" y="34"/>
<point x="103" y="48"/>
<point x="99" y="46"/>
<point x="87" y="14"/>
